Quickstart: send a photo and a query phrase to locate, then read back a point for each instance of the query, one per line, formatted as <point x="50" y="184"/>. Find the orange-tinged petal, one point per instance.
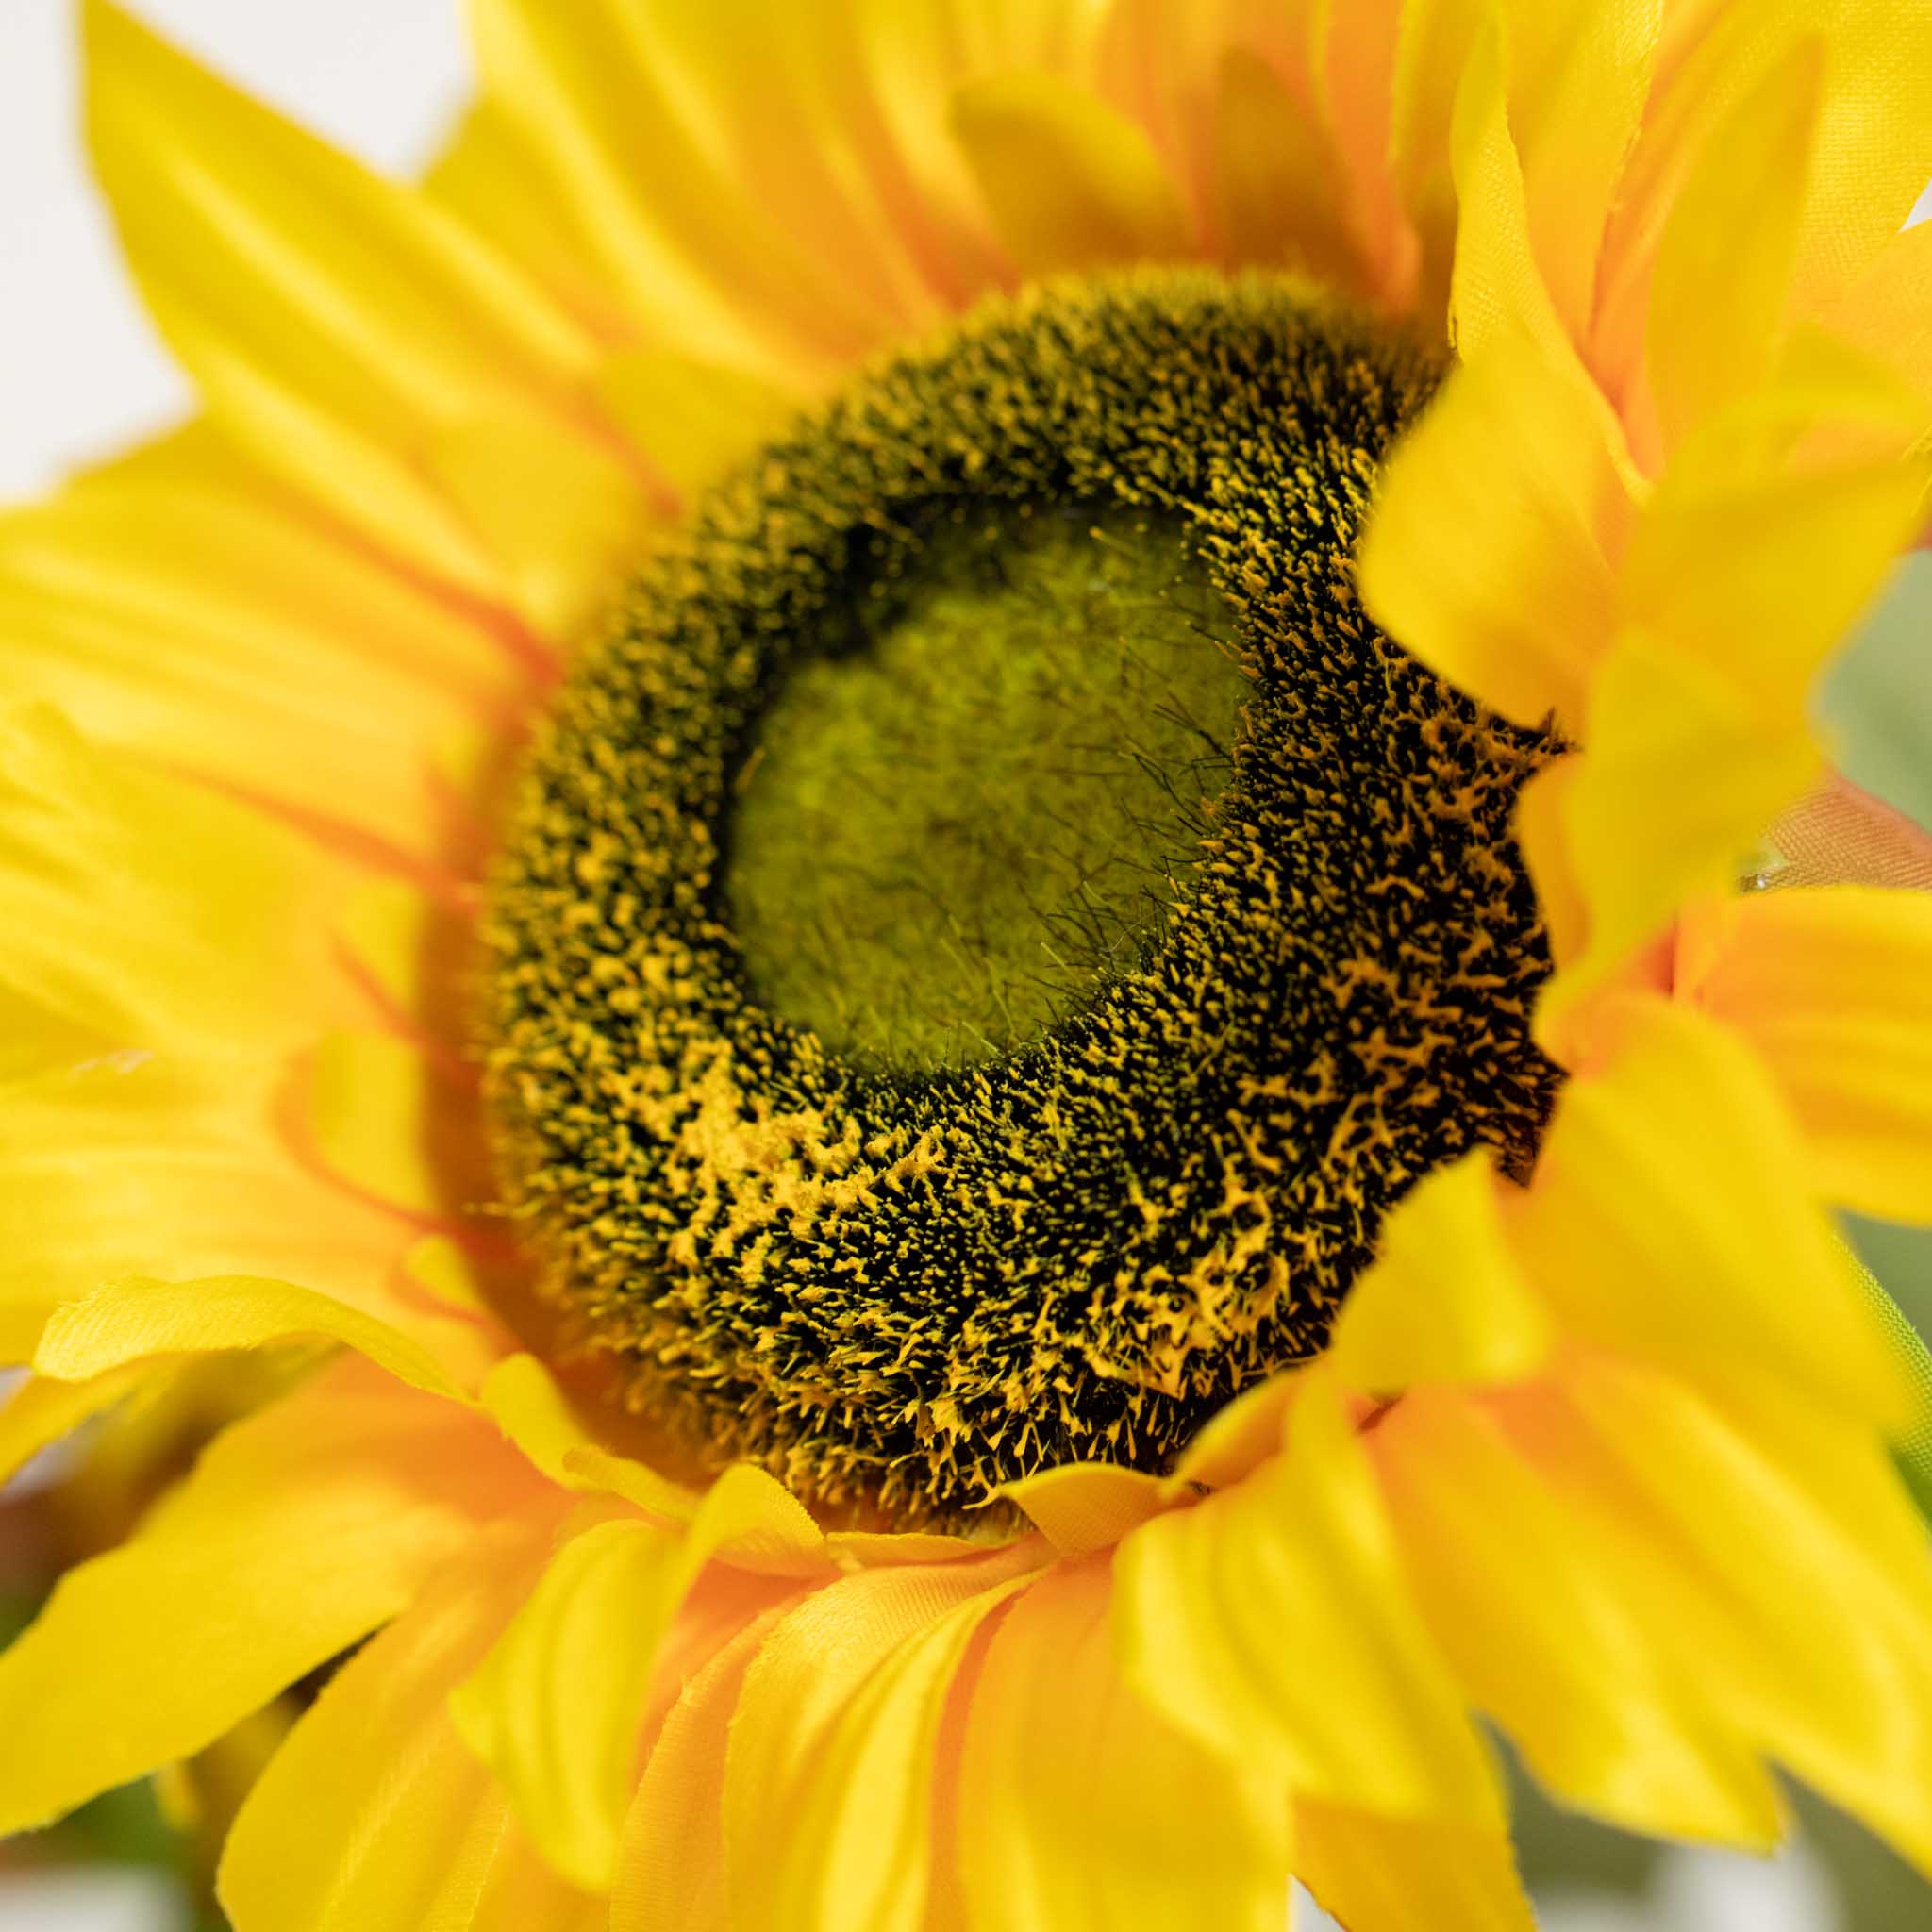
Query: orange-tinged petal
<point x="1080" y="1810"/>
<point x="1374" y="1874"/>
<point x="1273" y="1622"/>
<point x="371" y="1814"/>
<point x="1542" y="1640"/>
<point x="1488" y="552"/>
<point x="301" y="1529"/>
<point x="1277" y="180"/>
<point x="556" y="1706"/>
<point x="1730" y="1268"/>
<point x="670" y="1869"/>
<point x="1071" y="182"/>
<point x="1721" y="287"/>
<point x="1832" y="985"/>
<point x="827" y="1786"/>
<point x="127" y="1322"/>
<point x="1446" y="1298"/>
<point x="330" y="318"/>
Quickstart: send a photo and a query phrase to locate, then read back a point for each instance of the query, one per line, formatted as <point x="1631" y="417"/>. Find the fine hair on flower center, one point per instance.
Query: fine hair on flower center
<point x="987" y="935"/>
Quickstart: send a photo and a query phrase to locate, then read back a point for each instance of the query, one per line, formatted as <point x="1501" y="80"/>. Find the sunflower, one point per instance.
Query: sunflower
<point x="962" y="977"/>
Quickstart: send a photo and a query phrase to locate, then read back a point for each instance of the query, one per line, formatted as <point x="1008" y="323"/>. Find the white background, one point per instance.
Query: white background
<point x="81" y="373"/>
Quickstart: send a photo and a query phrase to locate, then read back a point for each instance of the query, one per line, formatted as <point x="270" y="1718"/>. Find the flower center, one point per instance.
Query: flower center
<point x="985" y="940"/>
<point x="948" y="838"/>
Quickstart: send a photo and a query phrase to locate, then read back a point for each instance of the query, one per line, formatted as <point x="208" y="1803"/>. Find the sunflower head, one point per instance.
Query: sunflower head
<point x="909" y="1269"/>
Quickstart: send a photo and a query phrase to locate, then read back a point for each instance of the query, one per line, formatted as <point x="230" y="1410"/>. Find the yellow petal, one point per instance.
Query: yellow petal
<point x="1731" y="1268"/>
<point x="827" y="1787"/>
<point x="597" y="100"/>
<point x="212" y="625"/>
<point x="671" y="1870"/>
<point x="387" y="1122"/>
<point x="1541" y="1638"/>
<point x="1404" y="1874"/>
<point x="564" y="516"/>
<point x="301" y="1529"/>
<point x="330" y="318"/>
<point x="1488" y="551"/>
<point x="1677" y="786"/>
<point x="141" y="1163"/>
<point x="1832" y="985"/>
<point x="1872" y="156"/>
<point x="1776" y="1549"/>
<point x="1071" y="183"/>
<point x="1721" y="287"/>
<point x="1578" y="81"/>
<point x="42" y="1411"/>
<point x="1080" y="1811"/>
<point x="232" y="947"/>
<point x="694" y="420"/>
<point x="1446" y="1298"/>
<point x="1224" y="1607"/>
<point x="128" y="1321"/>
<point x="556" y="1706"/>
<point x="1755" y="572"/>
<point x="371" y="1814"/>
<point x="1086" y="1505"/>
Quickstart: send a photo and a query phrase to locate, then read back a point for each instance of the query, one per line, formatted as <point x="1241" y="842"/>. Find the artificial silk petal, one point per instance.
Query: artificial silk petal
<point x="1272" y="1623"/>
<point x="1541" y="1638"/>
<point x="1757" y="1529"/>
<point x="1832" y="986"/>
<point x="1276" y="176"/>
<point x="1446" y="1298"/>
<point x="699" y="264"/>
<point x="301" y="1529"/>
<point x="257" y="247"/>
<point x="827" y="1787"/>
<point x="128" y="1321"/>
<point x="141" y="1162"/>
<point x="672" y="1868"/>
<point x="1488" y="553"/>
<point x="1374" y="1874"/>
<point x="1086" y="1505"/>
<point x="92" y="847"/>
<point x="1723" y="280"/>
<point x="1676" y="785"/>
<point x="371" y="1814"/>
<point x="557" y="1707"/>
<point x="1730" y="1267"/>
<point x="1080" y="1810"/>
<point x="1072" y="183"/>
<point x="42" y="1411"/>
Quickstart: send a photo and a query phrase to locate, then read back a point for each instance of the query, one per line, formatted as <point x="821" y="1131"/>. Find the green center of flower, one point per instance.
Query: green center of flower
<point x="949" y="837"/>
<point x="984" y="941"/>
